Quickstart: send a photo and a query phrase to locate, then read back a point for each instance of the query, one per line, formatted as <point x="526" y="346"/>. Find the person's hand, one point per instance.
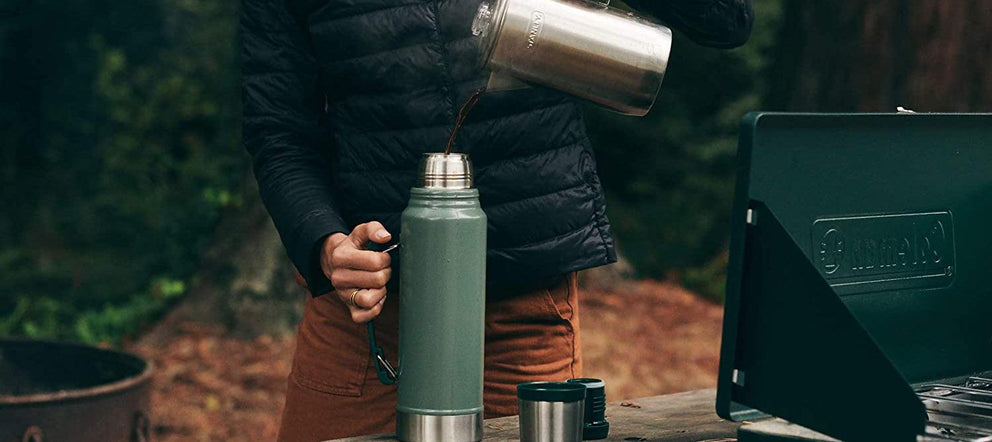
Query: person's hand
<point x="359" y="276"/>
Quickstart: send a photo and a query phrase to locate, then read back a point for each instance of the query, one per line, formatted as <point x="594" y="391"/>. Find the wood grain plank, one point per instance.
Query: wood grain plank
<point x="682" y="417"/>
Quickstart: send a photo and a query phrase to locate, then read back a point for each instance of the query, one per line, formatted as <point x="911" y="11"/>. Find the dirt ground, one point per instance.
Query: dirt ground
<point x="644" y="338"/>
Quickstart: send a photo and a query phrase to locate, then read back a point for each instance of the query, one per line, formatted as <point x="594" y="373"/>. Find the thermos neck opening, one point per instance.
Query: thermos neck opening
<point x="445" y="171"/>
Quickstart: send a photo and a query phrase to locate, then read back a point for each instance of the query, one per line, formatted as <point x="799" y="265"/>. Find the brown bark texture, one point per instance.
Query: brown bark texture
<point x="874" y="55"/>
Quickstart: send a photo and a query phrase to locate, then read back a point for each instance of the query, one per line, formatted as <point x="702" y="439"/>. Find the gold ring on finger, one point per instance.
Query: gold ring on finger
<point x="353" y="295"/>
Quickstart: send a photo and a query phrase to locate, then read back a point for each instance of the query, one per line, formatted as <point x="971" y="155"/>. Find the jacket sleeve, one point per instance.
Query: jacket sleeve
<point x="716" y="23"/>
<point x="282" y="127"/>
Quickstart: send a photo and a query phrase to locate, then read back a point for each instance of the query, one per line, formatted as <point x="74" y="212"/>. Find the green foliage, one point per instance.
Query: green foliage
<point x="118" y="169"/>
<point x="115" y="320"/>
<point x="669" y="176"/>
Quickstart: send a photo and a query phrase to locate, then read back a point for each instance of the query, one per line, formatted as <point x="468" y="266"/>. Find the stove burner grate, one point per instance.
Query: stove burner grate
<point x="958" y="413"/>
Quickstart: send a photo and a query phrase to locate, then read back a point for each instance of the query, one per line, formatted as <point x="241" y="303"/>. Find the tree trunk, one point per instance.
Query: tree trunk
<point x="871" y="56"/>
<point x="245" y="281"/>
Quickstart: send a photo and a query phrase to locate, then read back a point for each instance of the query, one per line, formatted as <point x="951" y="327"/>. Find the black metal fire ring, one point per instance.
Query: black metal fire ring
<point x="88" y="393"/>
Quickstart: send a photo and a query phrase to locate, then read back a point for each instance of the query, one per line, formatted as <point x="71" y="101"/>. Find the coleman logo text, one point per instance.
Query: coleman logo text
<point x="901" y="250"/>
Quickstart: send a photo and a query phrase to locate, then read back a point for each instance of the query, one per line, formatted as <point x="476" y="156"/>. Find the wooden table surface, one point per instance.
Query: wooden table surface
<point x="683" y="417"/>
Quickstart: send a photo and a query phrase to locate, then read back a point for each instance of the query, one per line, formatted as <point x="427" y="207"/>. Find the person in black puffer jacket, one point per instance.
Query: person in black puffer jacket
<point x="341" y="99"/>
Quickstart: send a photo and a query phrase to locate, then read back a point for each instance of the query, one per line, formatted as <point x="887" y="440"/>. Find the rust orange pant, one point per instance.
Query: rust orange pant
<point x="333" y="390"/>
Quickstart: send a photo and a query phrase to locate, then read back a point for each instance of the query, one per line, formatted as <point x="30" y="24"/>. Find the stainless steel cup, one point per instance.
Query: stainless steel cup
<point x="551" y="411"/>
<point x="608" y="56"/>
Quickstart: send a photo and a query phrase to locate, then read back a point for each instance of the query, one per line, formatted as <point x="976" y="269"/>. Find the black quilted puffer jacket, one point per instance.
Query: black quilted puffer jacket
<point x="342" y="97"/>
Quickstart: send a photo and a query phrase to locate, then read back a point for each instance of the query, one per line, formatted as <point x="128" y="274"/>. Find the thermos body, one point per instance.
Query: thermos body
<point x="442" y="314"/>
<point x="605" y="55"/>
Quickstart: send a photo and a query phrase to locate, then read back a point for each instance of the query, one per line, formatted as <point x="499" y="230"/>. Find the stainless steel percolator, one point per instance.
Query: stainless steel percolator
<point x="611" y="57"/>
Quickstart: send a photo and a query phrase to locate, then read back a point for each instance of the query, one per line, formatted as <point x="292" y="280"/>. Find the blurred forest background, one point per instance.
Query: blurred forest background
<point x="129" y="216"/>
<point x="125" y="188"/>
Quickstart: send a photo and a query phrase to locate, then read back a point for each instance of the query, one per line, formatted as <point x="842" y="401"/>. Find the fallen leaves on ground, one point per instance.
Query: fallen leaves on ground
<point x="208" y="386"/>
<point x="647" y="338"/>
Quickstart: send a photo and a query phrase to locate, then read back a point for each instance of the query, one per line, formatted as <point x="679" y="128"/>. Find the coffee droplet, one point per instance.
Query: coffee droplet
<point x="466" y="108"/>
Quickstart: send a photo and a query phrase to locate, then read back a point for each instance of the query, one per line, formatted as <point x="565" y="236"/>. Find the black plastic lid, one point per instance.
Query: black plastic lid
<point x="551" y="391"/>
<point x="590" y="383"/>
<point x="594" y="425"/>
<point x="595" y="430"/>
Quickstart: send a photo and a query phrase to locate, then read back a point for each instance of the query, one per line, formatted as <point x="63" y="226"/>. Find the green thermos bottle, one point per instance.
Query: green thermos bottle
<point x="442" y="305"/>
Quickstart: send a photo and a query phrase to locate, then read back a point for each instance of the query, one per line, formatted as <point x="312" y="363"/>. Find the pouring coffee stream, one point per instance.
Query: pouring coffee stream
<point x="462" y="114"/>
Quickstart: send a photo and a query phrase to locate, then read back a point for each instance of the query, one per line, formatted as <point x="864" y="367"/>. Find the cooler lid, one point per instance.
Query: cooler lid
<point x="859" y="264"/>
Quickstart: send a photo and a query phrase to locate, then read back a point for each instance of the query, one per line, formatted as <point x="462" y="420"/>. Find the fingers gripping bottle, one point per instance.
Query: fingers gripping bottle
<point x="442" y="305"/>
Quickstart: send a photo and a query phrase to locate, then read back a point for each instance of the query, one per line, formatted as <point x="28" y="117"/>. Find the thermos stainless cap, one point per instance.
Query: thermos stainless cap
<point x="445" y="171"/>
<point x="551" y="411"/>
